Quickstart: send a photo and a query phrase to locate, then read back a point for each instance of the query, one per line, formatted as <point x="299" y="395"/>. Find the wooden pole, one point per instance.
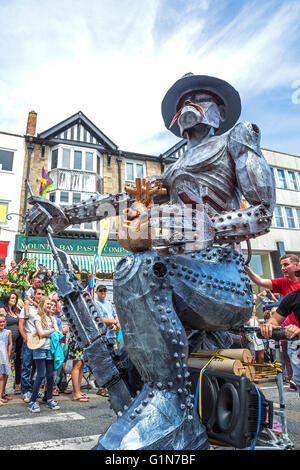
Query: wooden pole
<point x="230" y="366"/>
<point x="243" y="355"/>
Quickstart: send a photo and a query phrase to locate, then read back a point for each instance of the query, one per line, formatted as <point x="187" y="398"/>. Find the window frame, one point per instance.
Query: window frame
<point x="60" y="200"/>
<point x="62" y="158"/>
<point x="296" y="218"/>
<point x="13" y="159"/>
<point x="93" y="161"/>
<point x="286" y="175"/>
<point x="280" y="216"/>
<point x="135" y="163"/>
<point x="286" y="209"/>
<point x="295" y="180"/>
<point x="284" y="178"/>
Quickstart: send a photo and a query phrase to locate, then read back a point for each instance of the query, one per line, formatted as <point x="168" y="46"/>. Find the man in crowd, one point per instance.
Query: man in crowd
<point x="284" y="285"/>
<point x="290" y="303"/>
<point x="107" y="311"/>
<point x="109" y="317"/>
<point x="27" y="326"/>
<point x="13" y="265"/>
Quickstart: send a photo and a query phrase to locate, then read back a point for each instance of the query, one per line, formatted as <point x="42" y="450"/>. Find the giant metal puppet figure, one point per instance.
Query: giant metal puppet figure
<point x="193" y="277"/>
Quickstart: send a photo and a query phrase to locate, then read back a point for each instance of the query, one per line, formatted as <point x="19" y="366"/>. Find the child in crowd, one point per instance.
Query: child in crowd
<point x="5" y="352"/>
<point x="3" y="272"/>
<point x="29" y="300"/>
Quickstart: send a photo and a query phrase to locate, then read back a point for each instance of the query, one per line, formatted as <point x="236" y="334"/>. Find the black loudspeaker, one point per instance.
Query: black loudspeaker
<point x="230" y="407"/>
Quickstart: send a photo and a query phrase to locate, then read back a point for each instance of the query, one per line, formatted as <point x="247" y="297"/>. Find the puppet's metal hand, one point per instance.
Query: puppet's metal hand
<point x="135" y="234"/>
<point x="44" y="214"/>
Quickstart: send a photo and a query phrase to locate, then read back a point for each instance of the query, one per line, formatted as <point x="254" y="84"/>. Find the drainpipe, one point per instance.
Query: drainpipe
<point x="119" y="161"/>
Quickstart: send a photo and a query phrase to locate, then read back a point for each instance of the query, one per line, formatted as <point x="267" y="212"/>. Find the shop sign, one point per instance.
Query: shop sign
<point x="70" y="246"/>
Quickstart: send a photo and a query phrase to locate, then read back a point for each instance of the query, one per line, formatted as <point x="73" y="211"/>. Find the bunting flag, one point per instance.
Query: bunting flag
<point x="103" y="236"/>
<point x="46" y="183"/>
<point x="104" y="232"/>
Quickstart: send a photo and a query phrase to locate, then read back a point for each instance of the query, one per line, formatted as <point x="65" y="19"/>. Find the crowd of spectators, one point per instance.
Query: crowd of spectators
<point x="29" y="329"/>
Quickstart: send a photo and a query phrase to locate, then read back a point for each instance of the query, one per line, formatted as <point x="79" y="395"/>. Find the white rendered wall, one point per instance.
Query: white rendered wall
<point x="10" y="189"/>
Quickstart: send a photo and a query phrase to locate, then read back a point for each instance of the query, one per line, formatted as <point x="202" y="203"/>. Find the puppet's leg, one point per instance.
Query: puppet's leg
<point x="162" y="416"/>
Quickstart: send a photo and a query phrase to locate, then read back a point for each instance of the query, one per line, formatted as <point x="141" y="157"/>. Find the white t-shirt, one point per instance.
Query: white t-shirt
<point x="28" y="292"/>
<point x="257" y="342"/>
<point x="29" y="324"/>
<point x="49" y="326"/>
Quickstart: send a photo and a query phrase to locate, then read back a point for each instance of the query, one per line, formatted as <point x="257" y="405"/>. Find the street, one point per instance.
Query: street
<point x="77" y="426"/>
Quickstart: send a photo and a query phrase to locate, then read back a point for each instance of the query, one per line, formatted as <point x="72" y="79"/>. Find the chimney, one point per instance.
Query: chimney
<point x="31" y="123"/>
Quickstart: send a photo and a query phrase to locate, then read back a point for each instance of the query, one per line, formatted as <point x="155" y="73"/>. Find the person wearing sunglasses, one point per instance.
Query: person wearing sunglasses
<point x="107" y="312"/>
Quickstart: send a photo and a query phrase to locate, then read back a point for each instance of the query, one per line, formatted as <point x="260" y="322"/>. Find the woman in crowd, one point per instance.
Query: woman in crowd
<point x="11" y="312"/>
<point x="5" y="351"/>
<point x="55" y="311"/>
<point x="258" y="344"/>
<point x="45" y="325"/>
<point x="76" y="354"/>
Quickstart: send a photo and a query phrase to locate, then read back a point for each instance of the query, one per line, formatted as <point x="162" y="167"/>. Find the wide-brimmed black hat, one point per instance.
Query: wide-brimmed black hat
<point x="190" y="82"/>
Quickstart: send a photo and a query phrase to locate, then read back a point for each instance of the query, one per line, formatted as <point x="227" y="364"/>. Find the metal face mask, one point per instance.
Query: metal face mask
<point x="197" y="109"/>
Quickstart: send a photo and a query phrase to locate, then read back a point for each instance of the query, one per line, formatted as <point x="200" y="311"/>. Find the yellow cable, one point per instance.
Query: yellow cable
<point x="200" y="383"/>
<point x="275" y="365"/>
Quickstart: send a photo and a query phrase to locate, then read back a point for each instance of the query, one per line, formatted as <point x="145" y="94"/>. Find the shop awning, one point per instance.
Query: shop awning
<point x="105" y="264"/>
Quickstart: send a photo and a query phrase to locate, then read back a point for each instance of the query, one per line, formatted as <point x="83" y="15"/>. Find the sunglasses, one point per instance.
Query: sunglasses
<point x="102" y="290"/>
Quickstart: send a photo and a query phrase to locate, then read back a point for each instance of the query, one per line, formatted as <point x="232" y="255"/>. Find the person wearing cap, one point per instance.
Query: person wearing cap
<point x="108" y="315"/>
<point x="107" y="312"/>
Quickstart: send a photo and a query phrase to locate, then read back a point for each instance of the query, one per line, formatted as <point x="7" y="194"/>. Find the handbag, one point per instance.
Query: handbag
<point x="34" y="341"/>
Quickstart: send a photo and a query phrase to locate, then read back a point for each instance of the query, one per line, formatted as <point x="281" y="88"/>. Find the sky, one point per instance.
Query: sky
<point x="114" y="60"/>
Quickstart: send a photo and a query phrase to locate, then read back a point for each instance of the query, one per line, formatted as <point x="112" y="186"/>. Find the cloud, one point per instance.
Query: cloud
<point x="116" y="60"/>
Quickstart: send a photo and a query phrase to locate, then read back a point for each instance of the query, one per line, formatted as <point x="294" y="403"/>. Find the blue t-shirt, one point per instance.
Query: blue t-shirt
<point x="59" y="323"/>
<point x="107" y="311"/>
